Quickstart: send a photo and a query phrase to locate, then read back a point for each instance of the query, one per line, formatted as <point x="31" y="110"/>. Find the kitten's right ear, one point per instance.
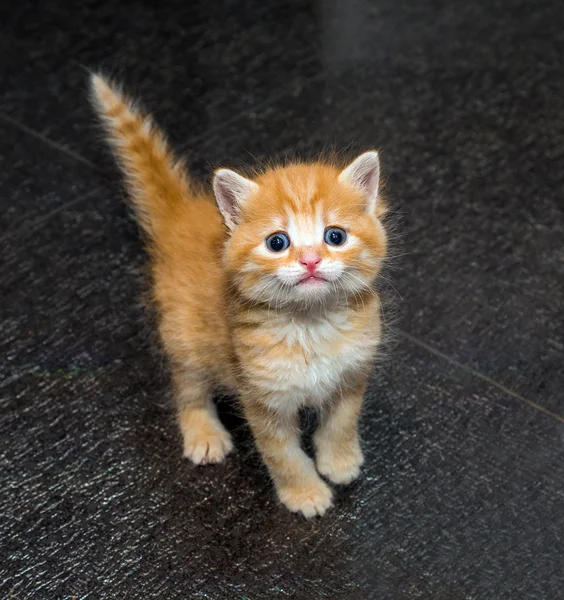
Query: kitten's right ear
<point x="364" y="174"/>
<point x="231" y="192"/>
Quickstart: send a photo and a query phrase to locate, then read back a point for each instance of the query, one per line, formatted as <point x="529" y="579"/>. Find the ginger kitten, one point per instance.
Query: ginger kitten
<point x="271" y="296"/>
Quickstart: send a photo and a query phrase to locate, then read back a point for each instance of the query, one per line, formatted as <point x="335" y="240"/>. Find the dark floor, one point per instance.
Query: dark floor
<point x="462" y="495"/>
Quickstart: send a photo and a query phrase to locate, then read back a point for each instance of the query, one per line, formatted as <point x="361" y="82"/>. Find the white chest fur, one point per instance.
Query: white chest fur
<point x="309" y="358"/>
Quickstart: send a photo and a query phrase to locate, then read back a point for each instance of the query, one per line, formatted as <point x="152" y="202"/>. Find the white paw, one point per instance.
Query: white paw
<point x="211" y="445"/>
<point x="311" y="499"/>
<point x="340" y="468"/>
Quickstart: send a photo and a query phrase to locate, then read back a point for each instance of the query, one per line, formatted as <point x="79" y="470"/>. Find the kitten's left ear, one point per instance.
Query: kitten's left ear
<point x="364" y="175"/>
<point x="231" y="192"/>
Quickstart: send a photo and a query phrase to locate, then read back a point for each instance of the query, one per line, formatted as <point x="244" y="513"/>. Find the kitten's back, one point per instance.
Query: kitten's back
<point x="185" y="234"/>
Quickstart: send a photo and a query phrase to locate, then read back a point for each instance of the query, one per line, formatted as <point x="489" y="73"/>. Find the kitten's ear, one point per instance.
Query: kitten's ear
<point x="364" y="174"/>
<point x="231" y="192"/>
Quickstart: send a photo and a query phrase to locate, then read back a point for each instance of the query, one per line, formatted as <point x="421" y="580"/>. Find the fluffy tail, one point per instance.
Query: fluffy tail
<point x="157" y="181"/>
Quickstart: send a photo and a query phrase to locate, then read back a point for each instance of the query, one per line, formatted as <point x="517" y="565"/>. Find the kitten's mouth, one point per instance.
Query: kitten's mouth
<point x="311" y="280"/>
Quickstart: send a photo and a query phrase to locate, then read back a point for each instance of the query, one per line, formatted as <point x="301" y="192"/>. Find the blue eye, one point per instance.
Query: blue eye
<point x="277" y="242"/>
<point x="335" y="236"/>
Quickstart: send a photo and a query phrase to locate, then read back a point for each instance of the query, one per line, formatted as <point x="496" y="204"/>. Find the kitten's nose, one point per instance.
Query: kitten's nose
<point x="310" y="260"/>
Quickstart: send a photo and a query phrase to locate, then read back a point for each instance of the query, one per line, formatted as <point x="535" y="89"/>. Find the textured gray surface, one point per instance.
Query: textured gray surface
<point x="36" y="181"/>
<point x="462" y="492"/>
<point x="194" y="64"/>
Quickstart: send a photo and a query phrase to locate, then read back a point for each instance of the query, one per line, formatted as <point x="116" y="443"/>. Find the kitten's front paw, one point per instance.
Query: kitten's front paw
<point x="205" y="438"/>
<point x="311" y="499"/>
<point x="204" y="447"/>
<point x="341" y="468"/>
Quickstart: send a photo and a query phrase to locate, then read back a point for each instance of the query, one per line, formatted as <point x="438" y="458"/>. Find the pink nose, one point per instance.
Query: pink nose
<point x="310" y="260"/>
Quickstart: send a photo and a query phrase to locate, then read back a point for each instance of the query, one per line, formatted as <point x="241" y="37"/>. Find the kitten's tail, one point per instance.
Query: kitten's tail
<point x="157" y="181"/>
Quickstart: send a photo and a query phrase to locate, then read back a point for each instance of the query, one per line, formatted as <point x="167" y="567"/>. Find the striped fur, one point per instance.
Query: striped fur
<point x="235" y="314"/>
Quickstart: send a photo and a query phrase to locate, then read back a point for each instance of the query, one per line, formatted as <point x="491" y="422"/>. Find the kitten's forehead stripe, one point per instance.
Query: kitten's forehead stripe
<point x="311" y="184"/>
<point x="300" y="193"/>
<point x="306" y="229"/>
<point x="293" y="197"/>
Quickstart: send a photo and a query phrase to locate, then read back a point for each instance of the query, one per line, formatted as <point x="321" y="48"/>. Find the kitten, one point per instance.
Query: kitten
<point x="271" y="296"/>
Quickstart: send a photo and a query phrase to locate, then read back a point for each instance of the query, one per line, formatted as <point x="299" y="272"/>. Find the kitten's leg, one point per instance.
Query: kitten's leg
<point x="297" y="483"/>
<point x="205" y="438"/>
<point x="339" y="456"/>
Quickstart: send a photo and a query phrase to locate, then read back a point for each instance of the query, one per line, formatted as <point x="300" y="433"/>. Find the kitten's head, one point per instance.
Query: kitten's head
<point x="304" y="233"/>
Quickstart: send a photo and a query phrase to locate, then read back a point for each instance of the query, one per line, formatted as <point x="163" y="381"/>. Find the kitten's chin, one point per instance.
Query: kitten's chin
<point x="299" y="296"/>
<point x="304" y="293"/>
<point x="312" y="290"/>
<point x="312" y="280"/>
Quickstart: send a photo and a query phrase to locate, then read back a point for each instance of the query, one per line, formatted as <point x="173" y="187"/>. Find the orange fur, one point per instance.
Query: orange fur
<point x="236" y="314"/>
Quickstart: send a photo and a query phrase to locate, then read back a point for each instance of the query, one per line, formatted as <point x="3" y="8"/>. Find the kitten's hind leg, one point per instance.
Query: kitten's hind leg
<point x="205" y="438"/>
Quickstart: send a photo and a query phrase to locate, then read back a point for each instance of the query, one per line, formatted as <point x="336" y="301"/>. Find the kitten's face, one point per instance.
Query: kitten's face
<point x="303" y="236"/>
